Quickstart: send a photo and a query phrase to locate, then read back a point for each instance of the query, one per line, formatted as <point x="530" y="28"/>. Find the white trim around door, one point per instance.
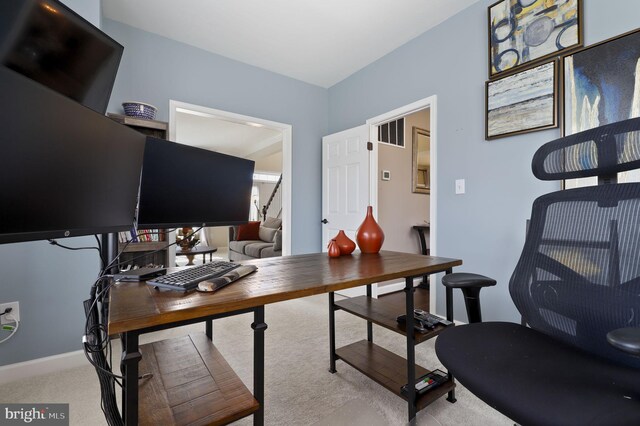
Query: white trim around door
<point x="431" y="103"/>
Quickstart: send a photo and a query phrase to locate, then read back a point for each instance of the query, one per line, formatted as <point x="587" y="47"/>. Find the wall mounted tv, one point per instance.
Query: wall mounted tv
<point x="186" y="186"/>
<point x="64" y="170"/>
<point x="49" y="43"/>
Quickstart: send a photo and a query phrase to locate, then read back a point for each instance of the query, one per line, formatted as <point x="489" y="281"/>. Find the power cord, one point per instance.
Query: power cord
<point x="13" y="329"/>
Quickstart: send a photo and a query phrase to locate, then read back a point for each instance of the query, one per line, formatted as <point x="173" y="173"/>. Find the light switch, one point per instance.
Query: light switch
<point x="459" y="186"/>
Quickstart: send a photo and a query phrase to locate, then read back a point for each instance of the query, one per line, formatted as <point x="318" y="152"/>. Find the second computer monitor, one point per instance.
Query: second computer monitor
<point x="186" y="186"/>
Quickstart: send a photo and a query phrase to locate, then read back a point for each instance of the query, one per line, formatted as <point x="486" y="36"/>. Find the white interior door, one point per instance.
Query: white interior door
<point x="345" y="186"/>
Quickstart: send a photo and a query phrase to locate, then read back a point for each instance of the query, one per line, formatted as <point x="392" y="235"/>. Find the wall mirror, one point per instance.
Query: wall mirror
<point x="421" y="160"/>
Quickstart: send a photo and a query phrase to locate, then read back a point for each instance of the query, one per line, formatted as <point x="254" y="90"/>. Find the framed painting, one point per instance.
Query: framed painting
<point x="421" y="167"/>
<point x="523" y="102"/>
<point x="601" y="86"/>
<point x="527" y="31"/>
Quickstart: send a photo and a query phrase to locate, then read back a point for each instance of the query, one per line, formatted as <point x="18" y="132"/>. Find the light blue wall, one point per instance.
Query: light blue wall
<point x="155" y="69"/>
<point x="50" y="283"/>
<point x="486" y="226"/>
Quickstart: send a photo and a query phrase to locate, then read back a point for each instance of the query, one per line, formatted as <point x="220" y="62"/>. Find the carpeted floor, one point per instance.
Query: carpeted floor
<point x="299" y="389"/>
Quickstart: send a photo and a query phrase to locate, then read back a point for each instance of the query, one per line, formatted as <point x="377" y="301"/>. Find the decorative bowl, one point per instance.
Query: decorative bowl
<point x="140" y="110"/>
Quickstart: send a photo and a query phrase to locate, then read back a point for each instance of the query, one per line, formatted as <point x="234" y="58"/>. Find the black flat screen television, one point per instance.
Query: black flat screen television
<point x="51" y="44"/>
<point x="186" y="186"/>
<point x="65" y="170"/>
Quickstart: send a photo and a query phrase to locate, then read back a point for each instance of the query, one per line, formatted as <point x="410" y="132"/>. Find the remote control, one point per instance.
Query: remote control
<point x="426" y="316"/>
<point x="420" y="325"/>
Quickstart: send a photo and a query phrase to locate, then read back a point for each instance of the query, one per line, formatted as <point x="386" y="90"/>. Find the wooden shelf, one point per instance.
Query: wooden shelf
<point x="138" y="122"/>
<point x="158" y="129"/>
<point x="143" y="246"/>
<point x="384" y="312"/>
<point x="388" y="370"/>
<point x="192" y="383"/>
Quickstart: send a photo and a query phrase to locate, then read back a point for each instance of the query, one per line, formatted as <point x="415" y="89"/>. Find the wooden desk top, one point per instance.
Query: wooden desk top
<point x="135" y="306"/>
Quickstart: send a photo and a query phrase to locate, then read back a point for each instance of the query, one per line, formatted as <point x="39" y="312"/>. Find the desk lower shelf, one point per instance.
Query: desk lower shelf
<point x="388" y="369"/>
<point x="192" y="383"/>
<point x="384" y="311"/>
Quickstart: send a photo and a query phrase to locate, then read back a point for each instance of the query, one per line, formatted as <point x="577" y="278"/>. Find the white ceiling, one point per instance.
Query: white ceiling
<point x="239" y="139"/>
<point x="320" y="42"/>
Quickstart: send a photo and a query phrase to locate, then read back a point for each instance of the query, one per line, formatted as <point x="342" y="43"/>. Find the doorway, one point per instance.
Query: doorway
<point x="418" y="117"/>
<point x="271" y="149"/>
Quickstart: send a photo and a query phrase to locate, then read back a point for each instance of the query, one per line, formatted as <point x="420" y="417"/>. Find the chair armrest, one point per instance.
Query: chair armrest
<point x="467" y="280"/>
<point x="232" y="233"/>
<point x="470" y="285"/>
<point x="626" y="339"/>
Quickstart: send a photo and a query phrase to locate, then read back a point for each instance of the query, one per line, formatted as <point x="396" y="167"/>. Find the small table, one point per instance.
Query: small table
<point x="423" y="248"/>
<point x="191" y="253"/>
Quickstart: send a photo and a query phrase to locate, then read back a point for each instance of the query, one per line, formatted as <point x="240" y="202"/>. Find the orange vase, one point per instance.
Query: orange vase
<point x="369" y="235"/>
<point x="333" y="249"/>
<point x="347" y="246"/>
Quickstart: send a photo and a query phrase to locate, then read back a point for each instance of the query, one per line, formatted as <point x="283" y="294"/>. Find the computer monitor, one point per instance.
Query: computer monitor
<point x="186" y="186"/>
<point x="65" y="170"/>
<point x="51" y="44"/>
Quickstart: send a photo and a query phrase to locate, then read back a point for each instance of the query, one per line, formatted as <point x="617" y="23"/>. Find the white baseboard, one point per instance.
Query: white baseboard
<point x="393" y="287"/>
<point x="37" y="367"/>
<point x="390" y="288"/>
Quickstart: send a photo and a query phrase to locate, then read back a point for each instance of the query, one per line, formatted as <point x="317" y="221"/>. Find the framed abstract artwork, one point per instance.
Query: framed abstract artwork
<point x="527" y="31"/>
<point x="601" y="86"/>
<point x="523" y="102"/>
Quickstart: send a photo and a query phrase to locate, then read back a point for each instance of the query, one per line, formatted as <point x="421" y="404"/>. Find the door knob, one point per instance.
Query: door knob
<point x="325" y="221"/>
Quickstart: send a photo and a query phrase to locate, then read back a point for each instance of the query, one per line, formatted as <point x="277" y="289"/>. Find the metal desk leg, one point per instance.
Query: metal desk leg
<point x="129" y="366"/>
<point x="258" y="363"/>
<point x="411" y="350"/>
<point x="332" y="333"/>
<point x="451" y="397"/>
<point x="209" y="329"/>
<point x="369" y="323"/>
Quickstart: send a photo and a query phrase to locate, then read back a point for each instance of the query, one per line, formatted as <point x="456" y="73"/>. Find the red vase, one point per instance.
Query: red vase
<point x="333" y="249"/>
<point x="347" y="246"/>
<point x="369" y="235"/>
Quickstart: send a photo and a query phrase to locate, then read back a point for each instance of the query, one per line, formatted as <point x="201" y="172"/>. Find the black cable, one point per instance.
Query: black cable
<point x="97" y="344"/>
<point x="55" y="243"/>
<point x="102" y="259"/>
<point x="95" y="336"/>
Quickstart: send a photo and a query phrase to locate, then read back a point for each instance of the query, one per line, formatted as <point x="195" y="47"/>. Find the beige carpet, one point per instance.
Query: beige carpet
<point x="299" y="389"/>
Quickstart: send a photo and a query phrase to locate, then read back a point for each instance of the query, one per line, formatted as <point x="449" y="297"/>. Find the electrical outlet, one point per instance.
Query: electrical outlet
<point x="15" y="312"/>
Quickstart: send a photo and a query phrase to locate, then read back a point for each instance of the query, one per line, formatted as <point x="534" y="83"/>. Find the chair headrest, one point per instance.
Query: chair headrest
<point x="602" y="151"/>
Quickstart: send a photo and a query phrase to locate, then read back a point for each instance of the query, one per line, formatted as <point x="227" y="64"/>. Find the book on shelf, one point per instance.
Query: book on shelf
<point x="141" y="236"/>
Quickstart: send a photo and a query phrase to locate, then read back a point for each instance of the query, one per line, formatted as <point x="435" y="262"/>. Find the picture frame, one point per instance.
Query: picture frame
<point x="524" y="32"/>
<point x="523" y="102"/>
<point x="599" y="87"/>
<point x="421" y="168"/>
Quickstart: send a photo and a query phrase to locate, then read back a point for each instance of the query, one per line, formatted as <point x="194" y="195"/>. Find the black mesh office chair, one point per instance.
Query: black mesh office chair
<point x="577" y="286"/>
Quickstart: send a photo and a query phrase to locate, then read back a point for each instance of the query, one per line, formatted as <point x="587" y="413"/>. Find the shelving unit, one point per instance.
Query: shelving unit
<point x="144" y="253"/>
<point x="382" y="366"/>
<point x="157" y="254"/>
